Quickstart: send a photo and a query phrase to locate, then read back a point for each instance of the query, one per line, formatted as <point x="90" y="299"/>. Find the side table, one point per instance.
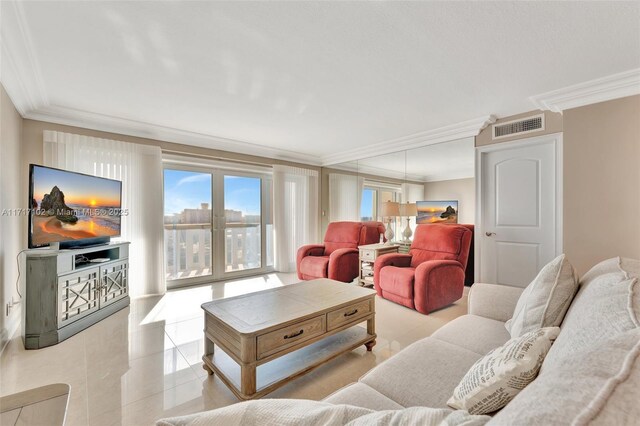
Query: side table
<point x="368" y="255"/>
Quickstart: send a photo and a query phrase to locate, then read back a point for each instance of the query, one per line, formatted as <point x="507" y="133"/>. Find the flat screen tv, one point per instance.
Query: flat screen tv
<point x="72" y="209"/>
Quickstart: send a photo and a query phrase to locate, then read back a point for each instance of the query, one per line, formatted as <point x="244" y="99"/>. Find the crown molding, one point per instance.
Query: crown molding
<point x="112" y="124"/>
<point x="378" y="171"/>
<point x="452" y="132"/>
<point x="590" y="92"/>
<point x="20" y="75"/>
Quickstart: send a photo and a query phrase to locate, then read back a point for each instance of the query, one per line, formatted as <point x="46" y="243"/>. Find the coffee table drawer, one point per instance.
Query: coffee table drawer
<point x="348" y="314"/>
<point x="283" y="338"/>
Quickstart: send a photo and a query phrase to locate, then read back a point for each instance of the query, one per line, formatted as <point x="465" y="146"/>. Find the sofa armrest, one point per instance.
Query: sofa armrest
<point x="343" y="265"/>
<point x="493" y="301"/>
<point x="437" y="283"/>
<point x="393" y="259"/>
<point x="308" y="250"/>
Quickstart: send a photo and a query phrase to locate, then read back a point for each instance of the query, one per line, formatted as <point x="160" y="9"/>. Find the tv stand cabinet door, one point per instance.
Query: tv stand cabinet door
<point x="114" y="282"/>
<point x="77" y="295"/>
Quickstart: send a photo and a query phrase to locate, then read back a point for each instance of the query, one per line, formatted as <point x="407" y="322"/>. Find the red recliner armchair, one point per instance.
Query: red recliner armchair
<point x="432" y="275"/>
<point x="337" y="258"/>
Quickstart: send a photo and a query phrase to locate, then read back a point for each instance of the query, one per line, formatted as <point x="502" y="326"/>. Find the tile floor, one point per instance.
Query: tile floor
<point x="144" y="362"/>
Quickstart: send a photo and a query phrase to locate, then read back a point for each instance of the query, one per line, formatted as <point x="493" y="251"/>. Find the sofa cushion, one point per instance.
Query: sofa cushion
<point x="607" y="304"/>
<point x="475" y="333"/>
<point x="314" y="266"/>
<point x="361" y="395"/>
<point x="398" y="281"/>
<point x="423" y="374"/>
<point x="499" y="376"/>
<point x="545" y="300"/>
<point x="599" y="384"/>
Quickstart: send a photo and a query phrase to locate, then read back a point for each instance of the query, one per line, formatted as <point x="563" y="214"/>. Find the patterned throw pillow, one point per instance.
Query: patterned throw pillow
<point x="499" y="376"/>
<point x="545" y="301"/>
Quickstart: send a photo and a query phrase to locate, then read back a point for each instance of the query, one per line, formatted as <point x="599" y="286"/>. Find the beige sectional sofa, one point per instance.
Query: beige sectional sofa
<point x="591" y="374"/>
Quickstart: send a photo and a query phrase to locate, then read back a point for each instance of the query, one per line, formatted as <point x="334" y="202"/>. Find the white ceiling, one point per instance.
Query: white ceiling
<point x="307" y="80"/>
<point x="443" y="161"/>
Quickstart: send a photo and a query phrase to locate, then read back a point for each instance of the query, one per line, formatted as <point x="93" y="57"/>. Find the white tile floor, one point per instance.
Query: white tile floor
<point x="144" y="362"/>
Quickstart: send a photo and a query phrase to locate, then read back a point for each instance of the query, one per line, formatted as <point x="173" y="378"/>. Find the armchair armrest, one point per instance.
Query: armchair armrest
<point x="343" y="264"/>
<point x="437" y="283"/>
<point x="308" y="250"/>
<point x="391" y="259"/>
<point x="493" y="301"/>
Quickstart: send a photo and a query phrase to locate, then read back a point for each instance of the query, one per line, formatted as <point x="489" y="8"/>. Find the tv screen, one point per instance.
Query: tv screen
<point x="72" y="208"/>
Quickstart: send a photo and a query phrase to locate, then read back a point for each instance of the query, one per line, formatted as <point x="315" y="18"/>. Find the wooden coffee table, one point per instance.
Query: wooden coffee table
<point x="258" y="342"/>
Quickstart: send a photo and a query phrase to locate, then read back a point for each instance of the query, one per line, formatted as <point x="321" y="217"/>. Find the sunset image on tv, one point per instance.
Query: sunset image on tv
<point x="437" y="212"/>
<point x="69" y="206"/>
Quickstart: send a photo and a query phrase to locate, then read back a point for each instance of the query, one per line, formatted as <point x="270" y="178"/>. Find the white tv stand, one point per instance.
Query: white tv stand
<point x="65" y="292"/>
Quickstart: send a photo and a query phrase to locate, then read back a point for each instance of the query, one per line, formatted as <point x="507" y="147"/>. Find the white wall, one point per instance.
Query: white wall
<point x="463" y="190"/>
<point x="12" y="228"/>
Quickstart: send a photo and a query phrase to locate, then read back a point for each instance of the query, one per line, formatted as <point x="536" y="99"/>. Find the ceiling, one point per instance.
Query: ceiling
<point x="307" y="81"/>
<point x="442" y="161"/>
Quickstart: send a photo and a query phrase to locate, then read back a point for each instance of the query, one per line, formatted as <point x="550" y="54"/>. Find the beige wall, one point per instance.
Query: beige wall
<point x="602" y="182"/>
<point x="552" y="124"/>
<point x="463" y="190"/>
<point x="12" y="228"/>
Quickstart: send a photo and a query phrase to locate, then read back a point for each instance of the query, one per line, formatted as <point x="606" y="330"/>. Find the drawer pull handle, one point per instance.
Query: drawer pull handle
<point x="348" y="314"/>
<point x="292" y="335"/>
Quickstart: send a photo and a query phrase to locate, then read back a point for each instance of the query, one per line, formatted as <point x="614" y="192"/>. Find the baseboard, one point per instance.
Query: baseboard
<point x="7" y="334"/>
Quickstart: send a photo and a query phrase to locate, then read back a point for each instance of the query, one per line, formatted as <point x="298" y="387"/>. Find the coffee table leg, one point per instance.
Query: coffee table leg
<point x="248" y="379"/>
<point x="371" y="329"/>
<point x="209" y="348"/>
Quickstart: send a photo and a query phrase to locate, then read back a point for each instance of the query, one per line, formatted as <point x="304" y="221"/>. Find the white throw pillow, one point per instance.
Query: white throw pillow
<point x="546" y="299"/>
<point x="499" y="376"/>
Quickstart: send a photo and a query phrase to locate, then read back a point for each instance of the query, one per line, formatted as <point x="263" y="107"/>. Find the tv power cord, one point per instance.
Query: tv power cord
<point x="12" y="303"/>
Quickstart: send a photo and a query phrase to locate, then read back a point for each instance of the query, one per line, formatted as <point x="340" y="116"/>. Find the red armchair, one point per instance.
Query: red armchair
<point x="337" y="258"/>
<point x="432" y="275"/>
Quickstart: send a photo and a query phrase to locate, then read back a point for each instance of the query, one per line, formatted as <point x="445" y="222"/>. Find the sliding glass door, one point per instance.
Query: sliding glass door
<point x="242" y="223"/>
<point x="217" y="224"/>
<point x="187" y="224"/>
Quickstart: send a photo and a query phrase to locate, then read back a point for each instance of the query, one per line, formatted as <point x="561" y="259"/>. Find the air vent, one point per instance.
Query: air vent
<point x="518" y="127"/>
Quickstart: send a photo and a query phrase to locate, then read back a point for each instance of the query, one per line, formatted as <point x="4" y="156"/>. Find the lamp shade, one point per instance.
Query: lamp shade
<point x="390" y="208"/>
<point x="408" y="209"/>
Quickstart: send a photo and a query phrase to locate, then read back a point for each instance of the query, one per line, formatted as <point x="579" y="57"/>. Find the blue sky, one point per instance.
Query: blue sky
<point x="367" y="203"/>
<point x="183" y="189"/>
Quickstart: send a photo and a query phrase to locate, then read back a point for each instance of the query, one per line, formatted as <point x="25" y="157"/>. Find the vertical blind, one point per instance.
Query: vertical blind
<point x="345" y="197"/>
<point x="295" y="213"/>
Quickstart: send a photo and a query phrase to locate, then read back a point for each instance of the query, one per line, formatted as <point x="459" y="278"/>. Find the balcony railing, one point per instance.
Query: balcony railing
<point x="188" y="248"/>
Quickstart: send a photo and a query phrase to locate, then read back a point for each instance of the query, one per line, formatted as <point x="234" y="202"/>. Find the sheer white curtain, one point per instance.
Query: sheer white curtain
<point x="295" y="213"/>
<point x="411" y="193"/>
<point x="345" y="197"/>
<point x="139" y="167"/>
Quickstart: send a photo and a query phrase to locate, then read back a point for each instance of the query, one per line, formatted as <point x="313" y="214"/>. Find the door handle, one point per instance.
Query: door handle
<point x="489" y="234"/>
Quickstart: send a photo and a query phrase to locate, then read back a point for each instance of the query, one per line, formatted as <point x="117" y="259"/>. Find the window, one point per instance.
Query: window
<point x="217" y="224"/>
<point x="373" y="196"/>
<point x="187" y="223"/>
<point x="368" y="204"/>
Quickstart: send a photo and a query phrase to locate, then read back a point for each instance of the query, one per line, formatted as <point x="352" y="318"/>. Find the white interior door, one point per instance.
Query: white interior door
<point x="521" y="209"/>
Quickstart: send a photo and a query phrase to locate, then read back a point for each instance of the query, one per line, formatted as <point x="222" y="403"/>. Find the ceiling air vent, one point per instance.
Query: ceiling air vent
<point x="518" y="127"/>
